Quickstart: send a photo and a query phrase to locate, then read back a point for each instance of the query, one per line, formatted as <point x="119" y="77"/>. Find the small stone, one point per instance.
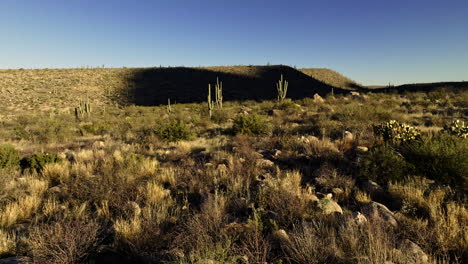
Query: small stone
<point x="264" y="163"/>
<point x="98" y="144"/>
<point x="56" y="190"/>
<point x="359" y="218"/>
<point x="348" y="135"/>
<point x="281" y="235"/>
<point x="318" y="98"/>
<point x="362" y="149"/>
<point x="277" y="153"/>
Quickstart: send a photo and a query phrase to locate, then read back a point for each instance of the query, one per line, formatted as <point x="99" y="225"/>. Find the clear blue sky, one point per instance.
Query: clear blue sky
<point x="371" y="41"/>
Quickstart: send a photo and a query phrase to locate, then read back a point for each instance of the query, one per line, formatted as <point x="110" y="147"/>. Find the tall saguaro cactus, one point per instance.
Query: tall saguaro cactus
<point x="218" y="102"/>
<point x="282" y="88"/>
<point x="210" y="103"/>
<point x="219" y="93"/>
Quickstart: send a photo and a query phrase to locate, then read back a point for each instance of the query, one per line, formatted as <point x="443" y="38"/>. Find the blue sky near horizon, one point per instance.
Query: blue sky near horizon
<point x="372" y="42"/>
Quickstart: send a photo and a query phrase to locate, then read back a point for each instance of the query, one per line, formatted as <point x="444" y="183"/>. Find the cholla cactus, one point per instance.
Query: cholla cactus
<point x="457" y="128"/>
<point x="397" y="132"/>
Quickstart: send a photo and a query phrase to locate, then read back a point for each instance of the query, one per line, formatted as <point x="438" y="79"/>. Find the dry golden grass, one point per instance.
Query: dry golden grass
<point x="7" y="243"/>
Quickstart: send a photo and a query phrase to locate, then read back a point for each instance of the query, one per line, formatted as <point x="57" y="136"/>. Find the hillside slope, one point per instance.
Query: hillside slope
<point x="60" y="89"/>
<point x="331" y="78"/>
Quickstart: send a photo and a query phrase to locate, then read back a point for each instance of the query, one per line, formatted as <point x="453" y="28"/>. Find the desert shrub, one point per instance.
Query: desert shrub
<point x="174" y="131"/>
<point x="38" y="161"/>
<point x="70" y="241"/>
<point x="9" y="157"/>
<point x="219" y="116"/>
<point x="95" y="129"/>
<point x="442" y="158"/>
<point x="250" y="125"/>
<point x="457" y="128"/>
<point x="311" y="243"/>
<point x="396" y="132"/>
<point x="383" y="164"/>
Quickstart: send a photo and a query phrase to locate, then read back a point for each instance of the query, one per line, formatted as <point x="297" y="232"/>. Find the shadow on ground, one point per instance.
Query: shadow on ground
<point x="154" y="86"/>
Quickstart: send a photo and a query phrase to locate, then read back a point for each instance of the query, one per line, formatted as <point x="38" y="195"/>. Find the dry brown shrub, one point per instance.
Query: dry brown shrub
<point x="68" y="241"/>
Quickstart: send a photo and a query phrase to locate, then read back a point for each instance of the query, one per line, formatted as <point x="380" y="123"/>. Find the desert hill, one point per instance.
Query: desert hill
<point x="60" y="88"/>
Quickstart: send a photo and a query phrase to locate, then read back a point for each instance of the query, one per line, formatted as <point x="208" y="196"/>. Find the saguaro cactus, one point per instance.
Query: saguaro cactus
<point x="169" y="108"/>
<point x="282" y="88"/>
<point x="219" y="93"/>
<point x="83" y="109"/>
<point x="218" y="102"/>
<point x="210" y="103"/>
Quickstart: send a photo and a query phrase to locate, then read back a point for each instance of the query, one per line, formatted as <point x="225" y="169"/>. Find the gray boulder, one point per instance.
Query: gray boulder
<point x="379" y="212"/>
<point x="328" y="206"/>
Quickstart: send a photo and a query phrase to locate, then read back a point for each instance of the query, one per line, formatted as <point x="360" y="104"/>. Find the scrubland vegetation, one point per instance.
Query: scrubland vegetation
<point x="296" y="181"/>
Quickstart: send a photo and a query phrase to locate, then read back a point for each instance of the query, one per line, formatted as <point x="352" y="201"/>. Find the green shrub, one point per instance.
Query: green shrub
<point x="38" y="161"/>
<point x="95" y="128"/>
<point x="384" y="164"/>
<point x="395" y="132"/>
<point x="9" y="157"/>
<point x="219" y="116"/>
<point x="457" y="128"/>
<point x="443" y="158"/>
<point x="250" y="125"/>
<point x="174" y="131"/>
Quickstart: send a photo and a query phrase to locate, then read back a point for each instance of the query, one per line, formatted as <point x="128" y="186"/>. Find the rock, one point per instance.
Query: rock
<point x="355" y="94"/>
<point x="56" y="190"/>
<point x="312" y="198"/>
<point x="98" y="144"/>
<point x="209" y="165"/>
<point x="281" y="235"/>
<point x="15" y="260"/>
<point x="379" y="212"/>
<point x="373" y="188"/>
<point x="348" y="136"/>
<point x="359" y="218"/>
<point x="318" y="98"/>
<point x="328" y="206"/>
<point x="413" y="251"/>
<point x="324" y="195"/>
<point x="264" y="163"/>
<point x="362" y="149"/>
<point x="276" y="153"/>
